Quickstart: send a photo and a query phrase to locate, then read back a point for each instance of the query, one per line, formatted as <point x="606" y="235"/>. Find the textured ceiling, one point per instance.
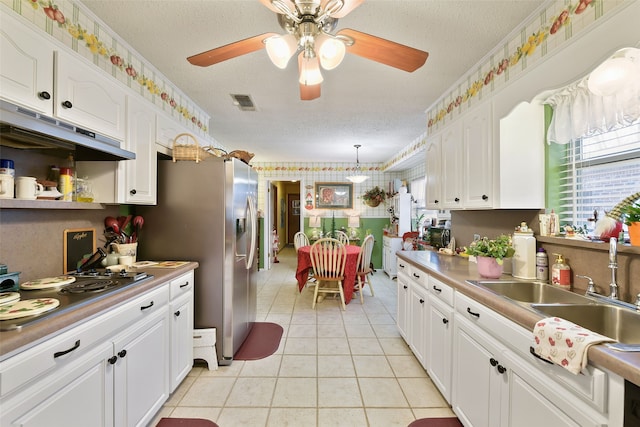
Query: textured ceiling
<point x="362" y="102"/>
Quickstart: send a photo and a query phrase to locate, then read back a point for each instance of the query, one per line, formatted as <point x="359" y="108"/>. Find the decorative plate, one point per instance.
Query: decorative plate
<point x="49" y="282"/>
<point x="9" y="297"/>
<point x="28" y="307"/>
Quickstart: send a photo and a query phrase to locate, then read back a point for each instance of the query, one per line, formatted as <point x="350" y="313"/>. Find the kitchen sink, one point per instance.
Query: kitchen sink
<point x="531" y="292"/>
<point x="618" y="323"/>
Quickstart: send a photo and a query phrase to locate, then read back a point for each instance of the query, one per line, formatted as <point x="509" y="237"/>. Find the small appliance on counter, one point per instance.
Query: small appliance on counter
<point x="439" y="237"/>
<point x="8" y="281"/>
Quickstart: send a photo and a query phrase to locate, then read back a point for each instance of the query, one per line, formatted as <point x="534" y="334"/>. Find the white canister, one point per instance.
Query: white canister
<point x="524" y="259"/>
<point x="6" y="186"/>
<point x="27" y="188"/>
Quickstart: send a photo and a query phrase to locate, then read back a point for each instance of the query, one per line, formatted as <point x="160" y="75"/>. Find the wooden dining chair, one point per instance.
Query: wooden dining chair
<point x="364" y="267"/>
<point x="328" y="259"/>
<point x="299" y="240"/>
<point x="342" y="237"/>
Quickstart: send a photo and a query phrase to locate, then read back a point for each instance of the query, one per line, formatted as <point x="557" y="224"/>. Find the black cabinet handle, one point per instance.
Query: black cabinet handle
<point x="457" y="199"/>
<point x="112" y="360"/>
<point x="122" y="353"/>
<point x="44" y="95"/>
<point x="401" y="265"/>
<point x="62" y="353"/>
<point x="501" y="369"/>
<point x="445" y="321"/>
<point x="485" y="197"/>
<point x="177" y="313"/>
<point x="133" y="192"/>
<point x="493" y="361"/>
<point x="145" y="307"/>
<point x="421" y="301"/>
<point x="417" y="276"/>
<point x="472" y="313"/>
<point x="536" y="355"/>
<point x="185" y="285"/>
<point x="436" y="201"/>
<point x="67" y="104"/>
<point x="405" y="286"/>
<point x="437" y="289"/>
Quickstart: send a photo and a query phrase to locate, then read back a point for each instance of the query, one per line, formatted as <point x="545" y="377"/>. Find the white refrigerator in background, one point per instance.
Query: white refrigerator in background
<point x="207" y="212"/>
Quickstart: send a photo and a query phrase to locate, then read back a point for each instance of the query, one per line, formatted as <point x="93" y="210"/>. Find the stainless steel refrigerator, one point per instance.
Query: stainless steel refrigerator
<point x="207" y="212"/>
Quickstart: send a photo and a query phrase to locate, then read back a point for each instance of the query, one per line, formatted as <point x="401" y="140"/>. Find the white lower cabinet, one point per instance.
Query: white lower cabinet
<point x="402" y="309"/>
<point x="439" y="336"/>
<point x="390" y="245"/>
<point x="113" y="370"/>
<point x="419" y="320"/>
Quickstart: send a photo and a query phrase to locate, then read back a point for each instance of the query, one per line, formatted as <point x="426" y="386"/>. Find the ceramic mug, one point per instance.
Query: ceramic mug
<point x="6" y="186"/>
<point x="27" y="188"/>
<point x="125" y="260"/>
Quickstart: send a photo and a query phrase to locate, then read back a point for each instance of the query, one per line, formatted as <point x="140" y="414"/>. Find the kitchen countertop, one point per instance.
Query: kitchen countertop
<point x="14" y="342"/>
<point x="455" y="270"/>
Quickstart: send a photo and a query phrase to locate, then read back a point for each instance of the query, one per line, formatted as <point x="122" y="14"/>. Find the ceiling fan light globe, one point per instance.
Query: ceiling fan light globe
<point x="280" y="49"/>
<point x="331" y="51"/>
<point x="310" y="74"/>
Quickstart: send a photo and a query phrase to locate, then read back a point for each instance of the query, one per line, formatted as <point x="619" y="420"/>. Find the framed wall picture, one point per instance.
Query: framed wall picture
<point x="334" y="195"/>
<point x="295" y="203"/>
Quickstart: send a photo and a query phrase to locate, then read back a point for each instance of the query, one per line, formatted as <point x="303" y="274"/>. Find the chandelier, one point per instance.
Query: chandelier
<point x="357" y="178"/>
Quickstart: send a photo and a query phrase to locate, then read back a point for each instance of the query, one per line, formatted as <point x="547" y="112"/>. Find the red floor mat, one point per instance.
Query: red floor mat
<point x="185" y="422"/>
<point x="262" y="341"/>
<point x="436" y="422"/>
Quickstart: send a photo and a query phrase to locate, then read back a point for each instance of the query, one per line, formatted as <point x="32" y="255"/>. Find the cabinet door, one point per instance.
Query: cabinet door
<point x="433" y="176"/>
<point x="438" y="348"/>
<point x="26" y="69"/>
<point x="477" y="153"/>
<point x="181" y="339"/>
<point x="140" y="174"/>
<point x="79" y="395"/>
<point x="142" y="370"/>
<point x="87" y="98"/>
<point x="480" y="380"/>
<point x="403" y="309"/>
<point x="451" y="166"/>
<point x="418" y="318"/>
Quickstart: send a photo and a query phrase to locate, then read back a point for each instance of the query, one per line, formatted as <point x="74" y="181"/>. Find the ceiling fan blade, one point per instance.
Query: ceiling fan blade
<point x="230" y="50"/>
<point x="308" y="93"/>
<point x="349" y="5"/>
<point x="385" y="51"/>
<point x="271" y="7"/>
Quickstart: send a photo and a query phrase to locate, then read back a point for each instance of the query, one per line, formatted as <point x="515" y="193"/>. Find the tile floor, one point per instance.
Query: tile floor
<point x="333" y="367"/>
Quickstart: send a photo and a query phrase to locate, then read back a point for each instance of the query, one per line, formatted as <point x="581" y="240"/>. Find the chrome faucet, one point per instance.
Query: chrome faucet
<point x="591" y="287"/>
<point x="613" y="265"/>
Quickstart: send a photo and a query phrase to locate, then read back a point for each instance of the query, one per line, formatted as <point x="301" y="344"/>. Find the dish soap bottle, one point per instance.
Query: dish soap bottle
<point x="561" y="273"/>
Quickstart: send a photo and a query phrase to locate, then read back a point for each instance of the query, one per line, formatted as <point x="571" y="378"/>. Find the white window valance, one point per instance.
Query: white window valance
<point x="579" y="112"/>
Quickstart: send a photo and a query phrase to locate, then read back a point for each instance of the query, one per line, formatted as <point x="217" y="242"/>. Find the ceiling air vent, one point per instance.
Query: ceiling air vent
<point x="243" y="102"/>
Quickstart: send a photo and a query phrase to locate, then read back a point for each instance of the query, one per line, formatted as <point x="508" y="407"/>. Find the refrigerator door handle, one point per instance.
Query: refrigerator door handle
<point x="253" y="221"/>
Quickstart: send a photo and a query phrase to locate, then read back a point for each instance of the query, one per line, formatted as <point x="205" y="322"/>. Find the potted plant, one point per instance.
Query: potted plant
<point x="631" y="215"/>
<point x="374" y="196"/>
<point x="490" y="254"/>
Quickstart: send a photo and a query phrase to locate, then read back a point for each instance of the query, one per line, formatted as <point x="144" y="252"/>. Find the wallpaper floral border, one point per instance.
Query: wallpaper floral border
<point x="546" y="32"/>
<point x="70" y="23"/>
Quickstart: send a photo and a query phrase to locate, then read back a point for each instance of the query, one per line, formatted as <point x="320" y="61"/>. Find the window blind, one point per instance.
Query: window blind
<point x="596" y="173"/>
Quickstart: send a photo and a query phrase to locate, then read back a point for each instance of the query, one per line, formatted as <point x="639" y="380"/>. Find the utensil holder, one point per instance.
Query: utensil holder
<point x="130" y="249"/>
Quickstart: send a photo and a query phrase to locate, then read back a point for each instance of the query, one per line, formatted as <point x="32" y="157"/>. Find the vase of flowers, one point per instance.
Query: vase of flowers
<point x="374" y="196"/>
<point x="490" y="254"/>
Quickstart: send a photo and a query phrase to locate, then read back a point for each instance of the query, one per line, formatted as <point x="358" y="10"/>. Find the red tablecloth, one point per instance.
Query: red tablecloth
<point x="350" y="268"/>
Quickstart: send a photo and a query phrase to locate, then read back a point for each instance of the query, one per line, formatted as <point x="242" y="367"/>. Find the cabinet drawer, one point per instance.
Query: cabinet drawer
<point x="420" y="277"/>
<point x="441" y="291"/>
<point x="403" y="267"/>
<point x="181" y="285"/>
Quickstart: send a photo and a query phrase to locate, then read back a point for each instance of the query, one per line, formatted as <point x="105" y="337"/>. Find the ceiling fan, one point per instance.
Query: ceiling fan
<point x="309" y="24"/>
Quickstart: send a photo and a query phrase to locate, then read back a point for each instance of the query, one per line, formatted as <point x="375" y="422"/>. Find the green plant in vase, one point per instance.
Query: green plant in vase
<point x="631" y="217"/>
<point x="490" y="254"/>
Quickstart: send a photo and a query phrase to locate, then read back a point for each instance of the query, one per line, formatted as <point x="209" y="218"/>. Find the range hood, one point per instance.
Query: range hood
<point x="25" y="129"/>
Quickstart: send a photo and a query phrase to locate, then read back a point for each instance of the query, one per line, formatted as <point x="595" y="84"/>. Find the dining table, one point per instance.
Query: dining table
<point x="350" y="269"/>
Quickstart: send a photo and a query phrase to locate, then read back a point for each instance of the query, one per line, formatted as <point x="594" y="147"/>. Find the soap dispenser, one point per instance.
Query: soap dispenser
<point x="561" y="273"/>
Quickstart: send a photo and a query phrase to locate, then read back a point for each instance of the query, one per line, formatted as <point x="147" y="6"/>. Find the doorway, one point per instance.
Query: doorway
<point x="293" y="216"/>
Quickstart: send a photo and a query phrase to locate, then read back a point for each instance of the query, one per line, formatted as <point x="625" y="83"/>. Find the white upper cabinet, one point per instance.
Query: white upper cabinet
<point x="477" y="158"/>
<point x="87" y="98"/>
<point x="451" y="166"/>
<point x="433" y="177"/>
<point x="26" y="69"/>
